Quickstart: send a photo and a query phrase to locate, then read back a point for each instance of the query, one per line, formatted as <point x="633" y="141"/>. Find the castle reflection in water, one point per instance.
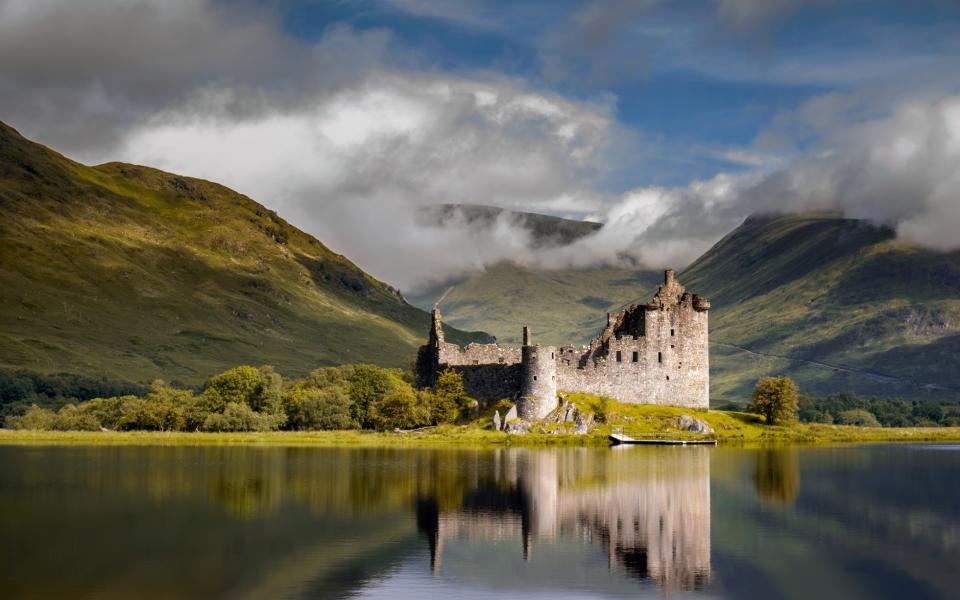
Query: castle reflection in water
<point x="649" y="512"/>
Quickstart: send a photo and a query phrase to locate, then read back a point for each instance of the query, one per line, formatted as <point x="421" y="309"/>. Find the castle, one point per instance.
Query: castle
<point x="653" y="353"/>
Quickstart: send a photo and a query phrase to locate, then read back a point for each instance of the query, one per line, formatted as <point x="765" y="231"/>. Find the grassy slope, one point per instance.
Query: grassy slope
<point x="135" y="273"/>
<point x="882" y="317"/>
<point x="566" y="306"/>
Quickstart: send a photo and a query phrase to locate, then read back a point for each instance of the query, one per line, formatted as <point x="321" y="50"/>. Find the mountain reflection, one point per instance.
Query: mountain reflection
<point x="647" y="510"/>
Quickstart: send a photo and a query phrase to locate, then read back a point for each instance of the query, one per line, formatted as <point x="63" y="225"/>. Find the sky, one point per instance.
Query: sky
<point x="669" y="122"/>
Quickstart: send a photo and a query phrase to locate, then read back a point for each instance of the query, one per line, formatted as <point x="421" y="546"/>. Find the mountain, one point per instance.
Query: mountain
<point x="838" y="304"/>
<point x="129" y="272"/>
<point x="544" y="230"/>
<point x="562" y="307"/>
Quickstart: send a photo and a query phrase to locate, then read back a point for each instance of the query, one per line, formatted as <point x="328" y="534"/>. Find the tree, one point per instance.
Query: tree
<point x="449" y="388"/>
<point x="442" y="408"/>
<point x="858" y="417"/>
<point x="776" y="399"/>
<point x="257" y="388"/>
<point x="36" y="418"/>
<point x="237" y="416"/>
<point x="368" y="385"/>
<point x="399" y="410"/>
<point x="310" y="408"/>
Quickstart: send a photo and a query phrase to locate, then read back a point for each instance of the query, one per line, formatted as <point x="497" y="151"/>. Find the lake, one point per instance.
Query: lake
<point x="244" y="522"/>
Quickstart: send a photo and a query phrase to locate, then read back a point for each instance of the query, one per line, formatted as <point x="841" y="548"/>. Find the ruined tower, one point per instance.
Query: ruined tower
<point x="655" y="352"/>
<point x="538" y="379"/>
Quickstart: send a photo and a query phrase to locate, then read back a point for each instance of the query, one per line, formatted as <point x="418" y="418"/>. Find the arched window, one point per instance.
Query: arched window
<point x="659" y="357"/>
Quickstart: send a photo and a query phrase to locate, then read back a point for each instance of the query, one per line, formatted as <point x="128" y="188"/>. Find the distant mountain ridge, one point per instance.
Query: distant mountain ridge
<point x="545" y="230"/>
<point x="837" y="303"/>
<point x="133" y="273"/>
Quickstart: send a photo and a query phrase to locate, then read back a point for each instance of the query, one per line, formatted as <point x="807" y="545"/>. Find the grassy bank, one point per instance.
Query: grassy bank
<point x="736" y="429"/>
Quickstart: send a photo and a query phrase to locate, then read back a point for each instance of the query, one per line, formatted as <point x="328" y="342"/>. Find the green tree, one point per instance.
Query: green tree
<point x="449" y="389"/>
<point x="312" y="408"/>
<point x="36" y="419"/>
<point x="237" y="416"/>
<point x="329" y="377"/>
<point x="858" y="417"/>
<point x="257" y="388"/>
<point x="72" y="418"/>
<point x="399" y="409"/>
<point x="442" y="408"/>
<point x="776" y="398"/>
<point x="368" y="385"/>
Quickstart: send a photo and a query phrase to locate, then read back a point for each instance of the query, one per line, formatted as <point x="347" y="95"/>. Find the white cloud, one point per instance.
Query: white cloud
<point x="352" y="166"/>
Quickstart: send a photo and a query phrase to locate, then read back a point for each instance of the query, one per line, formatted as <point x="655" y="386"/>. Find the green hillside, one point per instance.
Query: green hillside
<point x="133" y="273"/>
<point x="561" y="307"/>
<point x="836" y="303"/>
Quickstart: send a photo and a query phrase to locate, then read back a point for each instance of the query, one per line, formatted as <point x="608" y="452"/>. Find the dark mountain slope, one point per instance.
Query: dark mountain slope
<point x="838" y="303"/>
<point x="135" y="273"/>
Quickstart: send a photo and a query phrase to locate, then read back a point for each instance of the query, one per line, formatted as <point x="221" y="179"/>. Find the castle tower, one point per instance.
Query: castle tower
<point x="538" y="379"/>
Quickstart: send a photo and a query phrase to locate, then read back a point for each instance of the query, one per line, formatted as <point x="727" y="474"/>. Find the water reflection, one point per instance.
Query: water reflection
<point x="777" y="475"/>
<point x="221" y="522"/>
<point x="648" y="512"/>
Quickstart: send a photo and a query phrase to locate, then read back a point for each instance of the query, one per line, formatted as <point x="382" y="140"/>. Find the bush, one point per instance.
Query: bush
<point x="36" y="418"/>
<point x="368" y="385"/>
<point x="240" y="417"/>
<point x="858" y="417"/>
<point x="399" y="410"/>
<point x="312" y="408"/>
<point x="442" y="408"/>
<point x="259" y="389"/>
<point x="776" y="398"/>
<point x="449" y="390"/>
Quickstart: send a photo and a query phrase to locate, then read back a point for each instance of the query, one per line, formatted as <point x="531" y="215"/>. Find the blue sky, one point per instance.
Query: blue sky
<point x="684" y="72"/>
<point x="670" y="122"/>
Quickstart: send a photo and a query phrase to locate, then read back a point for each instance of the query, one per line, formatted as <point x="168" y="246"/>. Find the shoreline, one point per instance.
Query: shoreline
<point x="469" y="437"/>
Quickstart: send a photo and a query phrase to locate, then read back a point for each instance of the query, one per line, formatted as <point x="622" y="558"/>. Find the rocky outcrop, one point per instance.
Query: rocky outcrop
<point x="694" y="425"/>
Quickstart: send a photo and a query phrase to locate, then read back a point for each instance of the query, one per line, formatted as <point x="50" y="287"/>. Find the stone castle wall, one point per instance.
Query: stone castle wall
<point x="654" y="353"/>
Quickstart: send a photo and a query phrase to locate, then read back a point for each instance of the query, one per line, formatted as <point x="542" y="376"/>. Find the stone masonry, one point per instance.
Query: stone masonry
<point x="653" y="353"/>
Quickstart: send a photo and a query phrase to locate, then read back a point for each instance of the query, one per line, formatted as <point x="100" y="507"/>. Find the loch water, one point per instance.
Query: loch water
<point x="880" y="521"/>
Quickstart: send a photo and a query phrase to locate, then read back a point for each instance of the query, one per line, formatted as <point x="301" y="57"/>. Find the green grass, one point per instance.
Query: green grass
<point x="638" y="421"/>
<point x="137" y="274"/>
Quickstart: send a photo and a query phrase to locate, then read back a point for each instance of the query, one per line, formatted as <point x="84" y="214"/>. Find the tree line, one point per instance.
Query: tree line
<point x="250" y="398"/>
<point x="778" y="400"/>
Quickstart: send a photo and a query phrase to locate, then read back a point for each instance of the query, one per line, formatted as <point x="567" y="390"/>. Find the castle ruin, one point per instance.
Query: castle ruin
<point x="653" y="353"/>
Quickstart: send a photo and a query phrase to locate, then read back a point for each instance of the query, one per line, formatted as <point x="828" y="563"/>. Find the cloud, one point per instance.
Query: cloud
<point x="346" y="137"/>
<point x="77" y="74"/>
<point x="353" y="166"/>
<point x="899" y="169"/>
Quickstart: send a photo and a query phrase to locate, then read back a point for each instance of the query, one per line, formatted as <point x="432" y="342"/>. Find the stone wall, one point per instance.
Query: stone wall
<point x="653" y="353"/>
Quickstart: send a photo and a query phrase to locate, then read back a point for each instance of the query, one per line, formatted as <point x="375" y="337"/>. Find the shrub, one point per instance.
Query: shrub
<point x="399" y="410"/>
<point x="240" y="417"/>
<point x="259" y="389"/>
<point x="442" y="408"/>
<point x="449" y="389"/>
<point x="858" y="417"/>
<point x="72" y="418"/>
<point x="36" y="418"/>
<point x="312" y="408"/>
<point x="368" y="385"/>
<point x="109" y="411"/>
<point x="776" y="398"/>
